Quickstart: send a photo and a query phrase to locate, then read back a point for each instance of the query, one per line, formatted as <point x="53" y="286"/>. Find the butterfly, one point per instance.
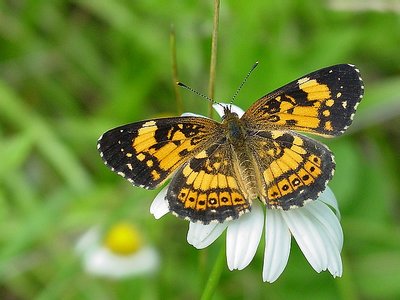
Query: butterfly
<point x="218" y="169"/>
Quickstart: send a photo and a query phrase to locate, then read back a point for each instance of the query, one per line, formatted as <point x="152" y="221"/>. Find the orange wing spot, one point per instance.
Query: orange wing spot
<point x="216" y="166"/>
<point x="201" y="202"/>
<point x="285" y="106"/>
<point x="231" y="182"/>
<point x="155" y="175"/>
<point x="309" y="122"/>
<point x="298" y="149"/>
<point x="285" y="187"/>
<point x="315" y="90"/>
<point x="309" y="111"/>
<point x="177" y="136"/>
<point x="148" y="127"/>
<point x="205" y="184"/>
<point x="312" y="169"/>
<point x="295" y="181"/>
<point x="268" y="175"/>
<point x="191" y="178"/>
<point x="212" y="200"/>
<point x="165" y="151"/>
<point x="315" y="159"/>
<point x="273" y="193"/>
<point x="222" y="183"/>
<point x="170" y="156"/>
<point x="326" y="113"/>
<point x="237" y="199"/>
<point x="328" y="126"/>
<point x="202" y="154"/>
<point x="225" y="199"/>
<point x="305" y="177"/>
<point x="298" y="141"/>
<point x="198" y="180"/>
<point x="292" y="158"/>
<point x="183" y="197"/>
<point x="143" y="141"/>
<point x="318" y="95"/>
<point x="276" y="134"/>
<point x="329" y="102"/>
<point x="191" y="199"/>
<point x="141" y="156"/>
<point x="214" y="182"/>
<point x="279" y="167"/>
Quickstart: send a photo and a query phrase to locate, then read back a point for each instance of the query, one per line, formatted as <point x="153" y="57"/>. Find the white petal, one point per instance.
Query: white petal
<point x="88" y="241"/>
<point x="335" y="266"/>
<point x="302" y="226"/>
<point x="189" y="114"/>
<point x="331" y="234"/>
<point x="201" y="236"/>
<point x="159" y="207"/>
<point x="243" y="237"/>
<point x="220" y="110"/>
<point x="330" y="222"/>
<point x="103" y="262"/>
<point x="277" y="245"/>
<point x="329" y="198"/>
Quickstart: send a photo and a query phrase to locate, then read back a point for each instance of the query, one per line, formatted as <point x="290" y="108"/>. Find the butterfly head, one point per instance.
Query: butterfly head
<point x="228" y="113"/>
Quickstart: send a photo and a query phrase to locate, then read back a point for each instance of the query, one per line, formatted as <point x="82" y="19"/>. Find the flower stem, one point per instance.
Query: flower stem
<point x="213" y="61"/>
<point x="172" y="44"/>
<point x="215" y="274"/>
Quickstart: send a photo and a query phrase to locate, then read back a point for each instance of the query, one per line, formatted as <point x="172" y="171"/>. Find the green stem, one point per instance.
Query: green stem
<point x="215" y="274"/>
<point x="178" y="98"/>
<point x="213" y="279"/>
<point x="213" y="62"/>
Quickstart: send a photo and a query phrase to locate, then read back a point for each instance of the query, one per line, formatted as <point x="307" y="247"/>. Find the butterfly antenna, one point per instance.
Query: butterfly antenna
<point x="243" y="82"/>
<point x="196" y="92"/>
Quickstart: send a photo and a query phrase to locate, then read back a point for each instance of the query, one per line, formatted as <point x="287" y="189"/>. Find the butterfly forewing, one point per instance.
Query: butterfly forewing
<point x="322" y="102"/>
<point x="146" y="153"/>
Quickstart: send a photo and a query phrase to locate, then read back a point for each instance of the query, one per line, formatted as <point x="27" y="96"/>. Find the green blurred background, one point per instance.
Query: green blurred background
<point x="70" y="70"/>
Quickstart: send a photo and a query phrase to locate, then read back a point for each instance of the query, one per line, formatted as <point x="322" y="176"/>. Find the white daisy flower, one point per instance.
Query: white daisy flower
<point x="315" y="227"/>
<point x="118" y="253"/>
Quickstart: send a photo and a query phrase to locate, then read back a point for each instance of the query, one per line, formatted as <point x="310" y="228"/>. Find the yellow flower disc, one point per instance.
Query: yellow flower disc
<point x="123" y="239"/>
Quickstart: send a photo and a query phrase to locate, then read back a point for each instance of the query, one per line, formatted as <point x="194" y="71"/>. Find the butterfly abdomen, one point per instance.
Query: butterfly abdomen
<point x="247" y="173"/>
<point x="244" y="166"/>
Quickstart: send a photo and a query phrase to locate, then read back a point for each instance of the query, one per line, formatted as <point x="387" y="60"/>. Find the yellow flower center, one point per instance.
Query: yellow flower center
<point x="123" y="239"/>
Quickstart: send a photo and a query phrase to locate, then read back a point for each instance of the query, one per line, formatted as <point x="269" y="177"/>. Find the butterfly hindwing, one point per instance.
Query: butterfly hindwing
<point x="293" y="167"/>
<point x="147" y="152"/>
<point x="207" y="189"/>
<point x="322" y="102"/>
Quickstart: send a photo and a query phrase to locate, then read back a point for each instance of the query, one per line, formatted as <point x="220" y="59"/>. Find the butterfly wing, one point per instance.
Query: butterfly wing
<point x="293" y="167"/>
<point x="322" y="102"/>
<point x="146" y="153"/>
<point x="207" y="189"/>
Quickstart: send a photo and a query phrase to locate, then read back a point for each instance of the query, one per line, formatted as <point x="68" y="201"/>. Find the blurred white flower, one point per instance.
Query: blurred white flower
<point x="315" y="227"/>
<point x="116" y="254"/>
